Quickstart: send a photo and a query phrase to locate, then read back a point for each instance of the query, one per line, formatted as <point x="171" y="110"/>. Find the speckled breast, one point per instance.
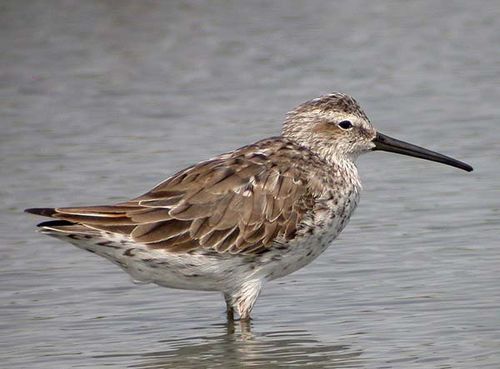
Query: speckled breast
<point x="329" y="218"/>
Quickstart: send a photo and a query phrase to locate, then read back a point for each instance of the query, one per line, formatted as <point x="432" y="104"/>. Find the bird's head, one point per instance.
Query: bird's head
<point x="335" y="127"/>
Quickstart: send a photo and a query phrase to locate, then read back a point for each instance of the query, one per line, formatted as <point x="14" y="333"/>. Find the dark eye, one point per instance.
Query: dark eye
<point x="345" y="124"/>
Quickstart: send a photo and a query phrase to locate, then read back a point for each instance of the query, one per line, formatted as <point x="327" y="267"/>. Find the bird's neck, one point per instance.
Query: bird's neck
<point x="346" y="166"/>
<point x="331" y="154"/>
<point x="339" y="163"/>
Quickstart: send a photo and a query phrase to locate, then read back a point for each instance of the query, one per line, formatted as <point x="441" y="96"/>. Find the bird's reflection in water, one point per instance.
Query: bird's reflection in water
<point x="239" y="347"/>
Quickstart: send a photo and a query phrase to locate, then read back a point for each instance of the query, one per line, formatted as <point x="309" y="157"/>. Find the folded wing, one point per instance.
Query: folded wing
<point x="235" y="204"/>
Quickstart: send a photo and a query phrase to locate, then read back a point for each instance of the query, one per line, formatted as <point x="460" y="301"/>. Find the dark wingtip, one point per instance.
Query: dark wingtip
<point x="45" y="212"/>
<point x="55" y="223"/>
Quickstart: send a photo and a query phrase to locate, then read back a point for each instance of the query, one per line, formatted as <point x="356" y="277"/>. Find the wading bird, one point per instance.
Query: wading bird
<point x="246" y="217"/>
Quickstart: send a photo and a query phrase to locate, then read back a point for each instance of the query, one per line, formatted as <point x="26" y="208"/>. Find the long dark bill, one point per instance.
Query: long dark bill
<point x="386" y="143"/>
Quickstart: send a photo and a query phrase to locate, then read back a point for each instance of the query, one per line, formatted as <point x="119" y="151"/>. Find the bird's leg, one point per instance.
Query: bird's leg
<point x="245" y="297"/>
<point x="229" y="307"/>
<point x="245" y="317"/>
<point x="246" y="329"/>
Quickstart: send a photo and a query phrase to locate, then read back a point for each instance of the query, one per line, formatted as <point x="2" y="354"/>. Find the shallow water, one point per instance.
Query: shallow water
<point x="100" y="100"/>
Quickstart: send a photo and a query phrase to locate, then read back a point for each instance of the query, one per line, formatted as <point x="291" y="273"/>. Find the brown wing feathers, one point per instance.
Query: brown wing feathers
<point x="235" y="205"/>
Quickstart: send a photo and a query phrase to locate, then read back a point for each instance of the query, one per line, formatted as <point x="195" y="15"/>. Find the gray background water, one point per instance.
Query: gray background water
<point x="100" y="100"/>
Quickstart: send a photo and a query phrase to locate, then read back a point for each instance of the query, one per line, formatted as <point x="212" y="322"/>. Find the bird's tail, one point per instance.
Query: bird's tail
<point x="59" y="227"/>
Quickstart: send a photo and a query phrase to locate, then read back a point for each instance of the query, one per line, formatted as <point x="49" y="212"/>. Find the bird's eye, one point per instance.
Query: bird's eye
<point x="345" y="124"/>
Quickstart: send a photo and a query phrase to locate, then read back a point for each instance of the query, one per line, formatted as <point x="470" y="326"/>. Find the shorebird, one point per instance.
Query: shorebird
<point x="243" y="218"/>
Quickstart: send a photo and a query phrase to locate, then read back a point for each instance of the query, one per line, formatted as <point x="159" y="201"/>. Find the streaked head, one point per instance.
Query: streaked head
<point x="336" y="128"/>
<point x="333" y="125"/>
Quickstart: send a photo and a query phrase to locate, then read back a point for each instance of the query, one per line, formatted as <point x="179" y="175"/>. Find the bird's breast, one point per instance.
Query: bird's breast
<point x="329" y="217"/>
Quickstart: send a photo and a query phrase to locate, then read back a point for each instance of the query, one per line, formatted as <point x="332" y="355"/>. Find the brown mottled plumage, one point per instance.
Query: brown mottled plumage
<point x="238" y="202"/>
<point x="245" y="217"/>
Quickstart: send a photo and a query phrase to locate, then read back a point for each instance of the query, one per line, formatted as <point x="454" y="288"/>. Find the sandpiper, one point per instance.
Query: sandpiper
<point x="246" y="217"/>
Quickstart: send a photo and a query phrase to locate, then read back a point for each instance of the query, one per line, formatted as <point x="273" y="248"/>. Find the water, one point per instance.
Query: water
<point x="100" y="100"/>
